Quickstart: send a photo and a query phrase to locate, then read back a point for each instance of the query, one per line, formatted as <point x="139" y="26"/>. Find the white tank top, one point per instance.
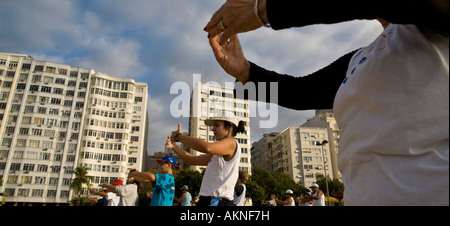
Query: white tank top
<point x="292" y="203"/>
<point x="221" y="176"/>
<point x="320" y="201"/>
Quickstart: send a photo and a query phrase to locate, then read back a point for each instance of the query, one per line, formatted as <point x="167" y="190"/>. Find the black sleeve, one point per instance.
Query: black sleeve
<point x="315" y="91"/>
<point x="432" y="14"/>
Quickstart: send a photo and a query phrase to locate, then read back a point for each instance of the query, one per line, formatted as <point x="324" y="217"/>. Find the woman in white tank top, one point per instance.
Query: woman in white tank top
<point x="221" y="158"/>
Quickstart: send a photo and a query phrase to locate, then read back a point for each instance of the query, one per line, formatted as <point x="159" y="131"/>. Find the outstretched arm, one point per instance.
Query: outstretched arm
<point x="225" y="147"/>
<point x="201" y="160"/>
<point x="143" y="177"/>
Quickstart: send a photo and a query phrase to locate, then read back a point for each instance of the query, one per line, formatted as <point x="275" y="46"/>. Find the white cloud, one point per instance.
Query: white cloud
<point x="161" y="42"/>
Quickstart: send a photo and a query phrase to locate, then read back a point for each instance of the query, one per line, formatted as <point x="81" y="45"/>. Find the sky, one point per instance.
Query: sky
<point x="162" y="42"/>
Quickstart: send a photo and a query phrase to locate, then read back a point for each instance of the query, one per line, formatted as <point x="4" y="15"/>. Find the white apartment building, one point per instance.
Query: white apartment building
<point x="114" y="138"/>
<point x="209" y="100"/>
<point x="325" y="119"/>
<point x="54" y="118"/>
<point x="295" y="152"/>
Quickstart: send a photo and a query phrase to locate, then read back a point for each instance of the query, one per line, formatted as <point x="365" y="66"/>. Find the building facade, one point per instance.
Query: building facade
<point x="295" y="152"/>
<point x="209" y="100"/>
<point x="52" y="120"/>
<point x="325" y="119"/>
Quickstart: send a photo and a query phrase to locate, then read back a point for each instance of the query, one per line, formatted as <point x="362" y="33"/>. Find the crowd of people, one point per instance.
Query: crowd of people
<point x="316" y="198"/>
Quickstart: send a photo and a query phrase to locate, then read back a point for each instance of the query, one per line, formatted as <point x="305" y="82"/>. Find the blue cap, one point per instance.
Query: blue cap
<point x="168" y="158"/>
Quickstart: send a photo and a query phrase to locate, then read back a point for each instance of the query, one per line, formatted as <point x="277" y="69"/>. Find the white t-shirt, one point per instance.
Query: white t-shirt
<point x="393" y="112"/>
<point x="221" y="176"/>
<point x="113" y="199"/>
<point x="128" y="194"/>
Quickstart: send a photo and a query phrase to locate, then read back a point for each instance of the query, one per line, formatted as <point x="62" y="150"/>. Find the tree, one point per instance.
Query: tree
<point x="81" y="178"/>
<point x="335" y="186"/>
<point x="191" y="178"/>
<point x="262" y="183"/>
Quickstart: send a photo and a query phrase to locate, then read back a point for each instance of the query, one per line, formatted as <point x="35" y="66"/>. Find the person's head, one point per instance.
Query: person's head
<point x="243" y="177"/>
<point x="184" y="189"/>
<point x="289" y="193"/>
<point x="272" y="196"/>
<point x="131" y="180"/>
<point x="117" y="182"/>
<point x="167" y="164"/>
<point x="225" y="125"/>
<point x="314" y="187"/>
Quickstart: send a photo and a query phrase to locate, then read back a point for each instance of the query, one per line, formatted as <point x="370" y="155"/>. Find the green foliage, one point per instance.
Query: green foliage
<point x="333" y="185"/>
<point x="81" y="178"/>
<point x="262" y="183"/>
<point x="191" y="178"/>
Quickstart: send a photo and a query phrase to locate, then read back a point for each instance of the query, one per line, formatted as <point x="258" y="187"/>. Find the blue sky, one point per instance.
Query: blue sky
<point x="162" y="42"/>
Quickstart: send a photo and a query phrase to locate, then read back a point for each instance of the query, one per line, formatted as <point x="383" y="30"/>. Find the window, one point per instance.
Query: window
<point x="55" y="101"/>
<point x="58" y="91"/>
<point x="132" y="160"/>
<point x="15" y="166"/>
<point x="42" y="168"/>
<point x="34" y="88"/>
<point x="21" y="86"/>
<point x="62" y="72"/>
<point x="36" y="132"/>
<point x="135" y="128"/>
<point x="48" y="79"/>
<point x="34" y="143"/>
<point x="46" y="89"/>
<point x="28" y="167"/>
<point x="39" y="68"/>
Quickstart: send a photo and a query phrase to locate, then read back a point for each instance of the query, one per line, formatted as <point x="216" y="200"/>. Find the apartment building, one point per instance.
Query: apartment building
<point x="209" y="100"/>
<point x="54" y="117"/>
<point x="325" y="119"/>
<point x="295" y="152"/>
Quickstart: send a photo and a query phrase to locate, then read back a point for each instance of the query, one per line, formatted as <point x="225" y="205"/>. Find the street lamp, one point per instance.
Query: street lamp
<point x="324" y="167"/>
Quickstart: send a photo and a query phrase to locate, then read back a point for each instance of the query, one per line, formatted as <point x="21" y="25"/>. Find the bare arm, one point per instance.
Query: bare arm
<point x="100" y="193"/>
<point x="225" y="147"/>
<point x="201" y="160"/>
<point x="143" y="177"/>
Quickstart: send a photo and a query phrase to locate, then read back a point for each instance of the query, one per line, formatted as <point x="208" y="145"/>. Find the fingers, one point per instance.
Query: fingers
<point x="216" y="18"/>
<point x="216" y="47"/>
<point x="179" y="127"/>
<point x="226" y="35"/>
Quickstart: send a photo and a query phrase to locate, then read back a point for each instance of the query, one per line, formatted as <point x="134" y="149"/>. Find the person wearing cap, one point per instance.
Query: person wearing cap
<point x="110" y="198"/>
<point x="289" y="199"/>
<point x="317" y="197"/>
<point x="163" y="184"/>
<point x="128" y="193"/>
<point x="221" y="158"/>
<point x="185" y="198"/>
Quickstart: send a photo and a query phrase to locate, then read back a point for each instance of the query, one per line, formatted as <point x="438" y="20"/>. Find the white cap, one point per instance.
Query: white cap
<point x="289" y="191"/>
<point x="224" y="116"/>
<point x="314" y="185"/>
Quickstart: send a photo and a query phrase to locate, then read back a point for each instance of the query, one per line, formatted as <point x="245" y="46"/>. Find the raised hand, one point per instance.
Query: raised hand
<point x="231" y="58"/>
<point x="236" y="16"/>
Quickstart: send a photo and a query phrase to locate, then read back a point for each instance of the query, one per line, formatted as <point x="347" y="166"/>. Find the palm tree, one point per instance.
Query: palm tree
<point x="81" y="178"/>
